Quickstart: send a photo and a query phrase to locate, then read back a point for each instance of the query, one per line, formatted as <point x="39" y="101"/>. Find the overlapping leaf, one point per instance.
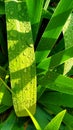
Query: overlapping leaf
<point x="57" y="82"/>
<point x="53" y="29"/>
<point x="56" y="59"/>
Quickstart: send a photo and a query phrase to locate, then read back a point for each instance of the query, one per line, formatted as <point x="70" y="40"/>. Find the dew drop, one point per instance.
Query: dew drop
<point x="31" y="82"/>
<point x="28" y="56"/>
<point x="26" y="89"/>
<point x="32" y="101"/>
<point x="24" y="54"/>
<point x="31" y="45"/>
<point x="32" y="59"/>
<point x="16" y="60"/>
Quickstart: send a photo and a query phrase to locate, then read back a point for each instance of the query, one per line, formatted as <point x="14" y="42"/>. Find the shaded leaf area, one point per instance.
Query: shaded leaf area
<point x="57" y="98"/>
<point x="12" y="123"/>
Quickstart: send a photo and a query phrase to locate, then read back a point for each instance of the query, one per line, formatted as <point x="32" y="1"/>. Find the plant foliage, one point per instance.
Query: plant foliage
<point x="36" y="65"/>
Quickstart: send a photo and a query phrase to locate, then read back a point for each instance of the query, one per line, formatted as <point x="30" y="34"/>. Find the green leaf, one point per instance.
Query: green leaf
<point x="58" y="82"/>
<point x="12" y="123"/>
<point x="2" y="72"/>
<point x="56" y="121"/>
<point x="42" y="117"/>
<point x="19" y="124"/>
<point x="3" y="108"/>
<point x="35" y="6"/>
<point x="57" y="98"/>
<point x="5" y="95"/>
<point x="46" y="14"/>
<point x="36" y="124"/>
<point x="53" y="29"/>
<point x="21" y="57"/>
<point x="68" y="38"/>
<point x="54" y="109"/>
<point x="46" y="4"/>
<point x="56" y="59"/>
<point x="8" y="124"/>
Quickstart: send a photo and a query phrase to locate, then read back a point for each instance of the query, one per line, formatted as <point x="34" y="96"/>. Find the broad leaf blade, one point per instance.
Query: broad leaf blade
<point x="21" y="57"/>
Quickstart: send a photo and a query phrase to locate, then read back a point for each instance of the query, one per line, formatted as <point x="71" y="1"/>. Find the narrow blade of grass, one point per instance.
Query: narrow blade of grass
<point x="5" y="95"/>
<point x="56" y="121"/>
<point x="36" y="124"/>
<point x="46" y="4"/>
